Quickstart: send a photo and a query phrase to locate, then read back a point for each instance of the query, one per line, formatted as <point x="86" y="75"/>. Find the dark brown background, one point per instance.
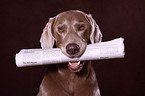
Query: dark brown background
<point x="22" y="22"/>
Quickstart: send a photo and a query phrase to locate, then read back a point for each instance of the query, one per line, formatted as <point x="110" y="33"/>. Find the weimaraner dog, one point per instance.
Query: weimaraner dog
<point x="70" y="31"/>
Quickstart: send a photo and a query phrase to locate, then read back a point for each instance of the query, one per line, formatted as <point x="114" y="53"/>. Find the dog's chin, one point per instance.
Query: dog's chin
<point x="75" y="66"/>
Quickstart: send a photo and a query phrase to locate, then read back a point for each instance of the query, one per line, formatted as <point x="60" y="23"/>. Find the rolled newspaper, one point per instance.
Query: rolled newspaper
<point x="97" y="51"/>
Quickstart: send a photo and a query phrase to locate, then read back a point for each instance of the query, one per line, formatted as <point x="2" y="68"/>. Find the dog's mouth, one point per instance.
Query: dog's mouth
<point x="75" y="66"/>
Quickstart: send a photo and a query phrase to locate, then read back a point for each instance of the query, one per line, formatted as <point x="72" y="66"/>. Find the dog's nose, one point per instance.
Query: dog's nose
<point x="72" y="48"/>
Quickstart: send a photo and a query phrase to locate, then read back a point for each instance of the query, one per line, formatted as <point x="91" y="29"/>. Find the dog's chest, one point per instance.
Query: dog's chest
<point x="72" y="82"/>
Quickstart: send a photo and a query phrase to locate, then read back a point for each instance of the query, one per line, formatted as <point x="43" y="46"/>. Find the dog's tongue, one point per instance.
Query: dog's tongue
<point x="74" y="65"/>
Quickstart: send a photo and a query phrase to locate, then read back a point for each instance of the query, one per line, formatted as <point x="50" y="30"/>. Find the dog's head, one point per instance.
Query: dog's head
<point x="72" y="31"/>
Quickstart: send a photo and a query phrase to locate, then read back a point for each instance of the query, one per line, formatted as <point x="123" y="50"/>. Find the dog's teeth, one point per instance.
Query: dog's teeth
<point x="79" y="62"/>
<point x="74" y="63"/>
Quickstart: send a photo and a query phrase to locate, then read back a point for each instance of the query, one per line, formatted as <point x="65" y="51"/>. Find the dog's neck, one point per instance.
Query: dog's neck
<point x="71" y="81"/>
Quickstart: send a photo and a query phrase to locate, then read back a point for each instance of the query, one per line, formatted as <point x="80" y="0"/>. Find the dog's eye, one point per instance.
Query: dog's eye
<point x="60" y="29"/>
<point x="81" y="27"/>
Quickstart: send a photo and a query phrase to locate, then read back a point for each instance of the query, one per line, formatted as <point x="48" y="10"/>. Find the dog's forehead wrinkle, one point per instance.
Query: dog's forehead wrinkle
<point x="60" y="22"/>
<point x="71" y="16"/>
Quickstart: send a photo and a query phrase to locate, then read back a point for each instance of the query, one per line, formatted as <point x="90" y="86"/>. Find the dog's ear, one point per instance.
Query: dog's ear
<point x="96" y="35"/>
<point x="47" y="39"/>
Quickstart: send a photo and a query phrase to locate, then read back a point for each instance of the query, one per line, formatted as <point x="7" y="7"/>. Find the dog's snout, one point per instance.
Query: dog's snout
<point x="72" y="49"/>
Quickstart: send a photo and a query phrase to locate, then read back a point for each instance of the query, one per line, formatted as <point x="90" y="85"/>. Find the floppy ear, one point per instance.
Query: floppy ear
<point x="96" y="35"/>
<point x="47" y="40"/>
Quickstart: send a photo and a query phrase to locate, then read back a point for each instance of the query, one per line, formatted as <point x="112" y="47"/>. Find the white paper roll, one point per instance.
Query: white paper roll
<point x="97" y="51"/>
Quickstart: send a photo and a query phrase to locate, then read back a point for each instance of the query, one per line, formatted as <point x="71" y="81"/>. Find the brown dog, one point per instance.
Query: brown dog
<point x="71" y="30"/>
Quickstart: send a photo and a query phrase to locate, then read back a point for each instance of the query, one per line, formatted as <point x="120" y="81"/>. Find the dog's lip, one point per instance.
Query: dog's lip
<point x="75" y="66"/>
<point x="73" y="56"/>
